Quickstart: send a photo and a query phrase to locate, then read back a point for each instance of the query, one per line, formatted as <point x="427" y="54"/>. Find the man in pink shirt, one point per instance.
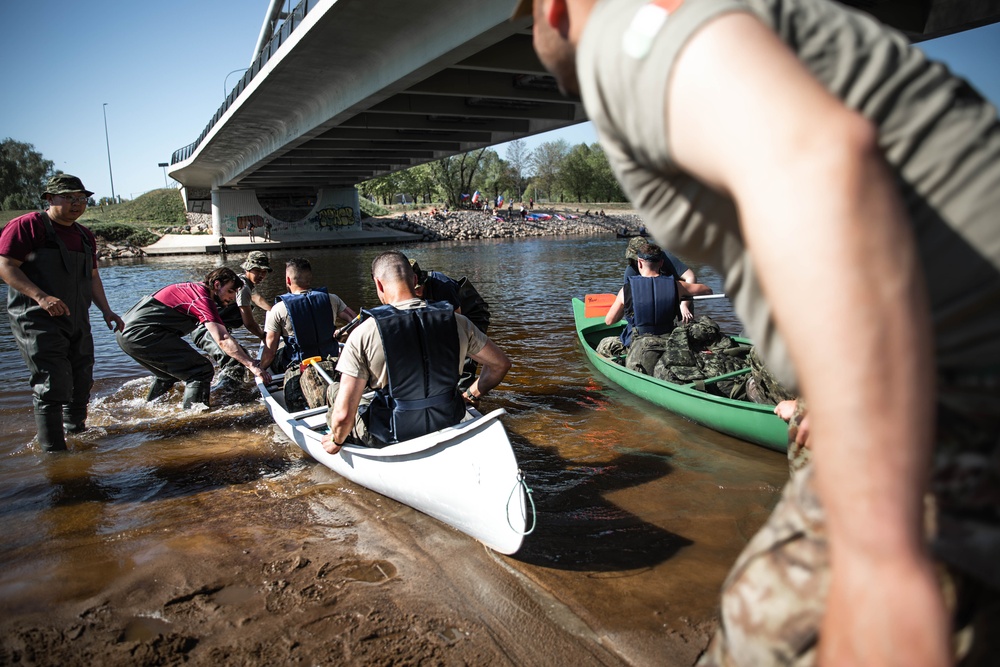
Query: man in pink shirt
<point x="154" y="330"/>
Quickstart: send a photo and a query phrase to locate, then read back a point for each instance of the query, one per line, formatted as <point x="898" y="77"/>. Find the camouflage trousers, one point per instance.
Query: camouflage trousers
<point x="773" y="600"/>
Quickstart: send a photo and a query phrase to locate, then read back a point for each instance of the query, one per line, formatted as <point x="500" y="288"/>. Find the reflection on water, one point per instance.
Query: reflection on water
<point x="621" y="486"/>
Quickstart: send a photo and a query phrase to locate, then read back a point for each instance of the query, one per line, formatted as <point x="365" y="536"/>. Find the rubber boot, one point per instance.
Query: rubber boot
<point x="196" y="392"/>
<point x="50" y="431"/>
<point x="159" y="388"/>
<point x="74" y="418"/>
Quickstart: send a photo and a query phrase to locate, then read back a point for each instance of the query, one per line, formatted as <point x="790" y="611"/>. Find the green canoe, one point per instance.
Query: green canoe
<point x="741" y="419"/>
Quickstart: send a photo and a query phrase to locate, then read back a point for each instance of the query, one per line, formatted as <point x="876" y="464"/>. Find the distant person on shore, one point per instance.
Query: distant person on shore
<point x="410" y="353"/>
<point x="267" y="229"/>
<point x="154" y="330"/>
<point x="250" y="228"/>
<point x="49" y="262"/>
<point x="304" y="319"/>
<point x="223" y="248"/>
<point x="237" y="314"/>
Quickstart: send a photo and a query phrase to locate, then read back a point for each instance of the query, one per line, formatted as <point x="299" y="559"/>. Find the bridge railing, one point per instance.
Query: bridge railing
<point x="291" y="22"/>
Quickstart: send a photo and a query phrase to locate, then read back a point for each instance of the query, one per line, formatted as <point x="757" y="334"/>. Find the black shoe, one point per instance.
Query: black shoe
<point x="74" y="428"/>
<point x="159" y="388"/>
<point x="50" y="431"/>
<point x="196" y="392"/>
<point x="227" y="383"/>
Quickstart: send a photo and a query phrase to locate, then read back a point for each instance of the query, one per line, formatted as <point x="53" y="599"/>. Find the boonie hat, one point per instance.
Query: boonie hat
<point x="421" y="276"/>
<point x="257" y="260"/>
<point x="62" y="184"/>
<point x="523" y="8"/>
<point x="636" y="242"/>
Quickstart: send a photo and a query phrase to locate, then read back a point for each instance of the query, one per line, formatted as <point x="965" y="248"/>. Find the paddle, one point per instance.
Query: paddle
<point x="349" y="327"/>
<point x="598" y="305"/>
<point x="314" y="362"/>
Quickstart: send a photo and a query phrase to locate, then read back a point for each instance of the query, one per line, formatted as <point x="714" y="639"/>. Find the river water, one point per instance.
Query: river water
<point x="640" y="512"/>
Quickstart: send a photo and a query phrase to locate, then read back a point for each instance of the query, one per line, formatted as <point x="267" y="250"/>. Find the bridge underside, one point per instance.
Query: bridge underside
<point x="363" y="88"/>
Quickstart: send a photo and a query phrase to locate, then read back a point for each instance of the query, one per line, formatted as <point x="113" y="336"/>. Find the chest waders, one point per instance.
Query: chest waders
<point x="59" y="351"/>
<point x="153" y="336"/>
<point x="232" y="317"/>
<point x="421" y="358"/>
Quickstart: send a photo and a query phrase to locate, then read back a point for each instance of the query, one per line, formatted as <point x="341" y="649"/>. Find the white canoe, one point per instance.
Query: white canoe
<point x="465" y="475"/>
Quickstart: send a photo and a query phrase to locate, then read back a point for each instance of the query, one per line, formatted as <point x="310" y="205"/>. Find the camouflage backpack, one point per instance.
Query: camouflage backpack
<point x="699" y="350"/>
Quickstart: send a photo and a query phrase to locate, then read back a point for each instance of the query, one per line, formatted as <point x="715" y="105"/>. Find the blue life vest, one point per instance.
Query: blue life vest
<point x="651" y="305"/>
<point x="312" y="324"/>
<point x="421" y="358"/>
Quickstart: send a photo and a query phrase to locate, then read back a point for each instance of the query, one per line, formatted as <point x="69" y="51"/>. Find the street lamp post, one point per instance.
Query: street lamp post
<point x="225" y="83"/>
<point x="164" y="165"/>
<point x="107" y="142"/>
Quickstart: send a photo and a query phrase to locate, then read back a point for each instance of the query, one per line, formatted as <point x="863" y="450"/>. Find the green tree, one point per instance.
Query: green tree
<point x="519" y="162"/>
<point x="577" y="176"/>
<point x="454" y="174"/>
<point x="548" y="160"/>
<point x="605" y="186"/>
<point x="495" y="178"/>
<point x="381" y="188"/>
<point x="23" y="174"/>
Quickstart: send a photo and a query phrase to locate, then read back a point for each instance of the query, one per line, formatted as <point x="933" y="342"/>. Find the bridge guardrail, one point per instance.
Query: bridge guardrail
<point x="291" y="22"/>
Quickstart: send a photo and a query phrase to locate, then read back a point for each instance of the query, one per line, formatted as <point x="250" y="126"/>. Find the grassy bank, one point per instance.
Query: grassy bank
<point x="137" y="222"/>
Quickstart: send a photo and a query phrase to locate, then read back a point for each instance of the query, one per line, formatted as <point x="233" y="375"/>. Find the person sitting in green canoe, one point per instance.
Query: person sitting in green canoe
<point x="650" y="301"/>
<point x="410" y="352"/>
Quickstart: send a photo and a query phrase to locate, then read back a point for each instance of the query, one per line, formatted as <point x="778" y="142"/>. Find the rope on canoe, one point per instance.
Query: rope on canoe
<point x="521" y="483"/>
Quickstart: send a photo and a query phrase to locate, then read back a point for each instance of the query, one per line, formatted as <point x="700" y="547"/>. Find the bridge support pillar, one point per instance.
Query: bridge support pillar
<point x="216" y="213"/>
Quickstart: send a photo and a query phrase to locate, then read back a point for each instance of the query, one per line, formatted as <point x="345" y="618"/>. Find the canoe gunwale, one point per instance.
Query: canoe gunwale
<point x="484" y="496"/>
<point x="741" y="419"/>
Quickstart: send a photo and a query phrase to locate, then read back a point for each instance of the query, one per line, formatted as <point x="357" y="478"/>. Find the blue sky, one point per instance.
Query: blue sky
<point x="161" y="68"/>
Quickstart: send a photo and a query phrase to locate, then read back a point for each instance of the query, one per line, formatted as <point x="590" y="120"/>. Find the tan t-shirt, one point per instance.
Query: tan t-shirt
<point x="364" y="358"/>
<point x="277" y="320"/>
<point x="941" y="138"/>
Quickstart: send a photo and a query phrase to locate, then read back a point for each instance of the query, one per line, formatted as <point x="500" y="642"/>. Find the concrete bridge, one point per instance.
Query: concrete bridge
<point x="346" y="90"/>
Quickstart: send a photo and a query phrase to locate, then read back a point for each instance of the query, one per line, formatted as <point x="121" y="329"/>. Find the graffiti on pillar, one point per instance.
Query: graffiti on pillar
<point x="334" y="217"/>
<point x="243" y="221"/>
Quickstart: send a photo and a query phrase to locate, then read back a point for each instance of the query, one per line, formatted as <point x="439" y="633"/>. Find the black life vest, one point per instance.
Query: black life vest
<point x="421" y="357"/>
<point x="312" y="324"/>
<point x="651" y="306"/>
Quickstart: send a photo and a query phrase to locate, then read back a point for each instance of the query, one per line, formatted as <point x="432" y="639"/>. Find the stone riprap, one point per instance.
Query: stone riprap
<point x="464" y="225"/>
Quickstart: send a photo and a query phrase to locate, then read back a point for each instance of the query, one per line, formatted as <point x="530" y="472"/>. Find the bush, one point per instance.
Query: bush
<point x="370" y="209"/>
<point x="121" y="234"/>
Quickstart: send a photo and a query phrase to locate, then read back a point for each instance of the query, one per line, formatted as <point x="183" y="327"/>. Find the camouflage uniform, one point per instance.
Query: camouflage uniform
<point x="787" y="561"/>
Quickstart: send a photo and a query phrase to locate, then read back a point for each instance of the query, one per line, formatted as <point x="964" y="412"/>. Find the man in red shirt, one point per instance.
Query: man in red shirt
<point x="154" y="328"/>
<point x="49" y="262"/>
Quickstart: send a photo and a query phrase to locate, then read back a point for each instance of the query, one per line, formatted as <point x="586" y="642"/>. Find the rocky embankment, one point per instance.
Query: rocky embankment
<point x="461" y="225"/>
<point x="197" y="223"/>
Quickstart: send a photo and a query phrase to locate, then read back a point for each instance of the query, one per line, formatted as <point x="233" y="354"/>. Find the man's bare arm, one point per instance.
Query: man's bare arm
<point x="10" y="271"/>
<point x="345" y="407"/>
<point x="815" y="195"/>
<point x="495" y="363"/>
<point x="260" y="301"/>
<point x="617" y="309"/>
<point x="246" y="314"/>
<point x="271" y="339"/>
<point x="233" y="349"/>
